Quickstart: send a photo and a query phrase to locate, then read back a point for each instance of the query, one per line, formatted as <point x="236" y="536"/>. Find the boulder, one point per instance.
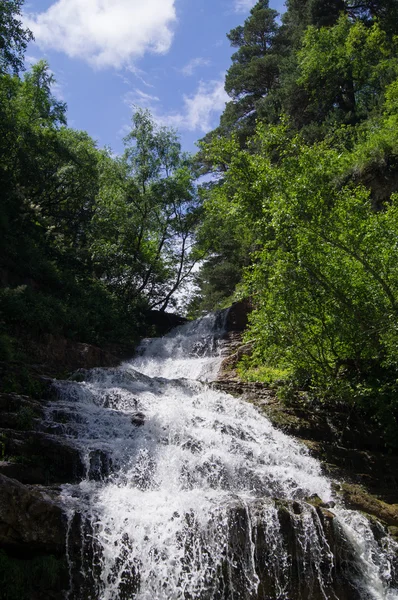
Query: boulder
<point x="237" y="315"/>
<point x="357" y="498"/>
<point x="163" y="322"/>
<point x="31" y="522"/>
<point x="51" y="457"/>
<point x="57" y="353"/>
<point x="23" y="473"/>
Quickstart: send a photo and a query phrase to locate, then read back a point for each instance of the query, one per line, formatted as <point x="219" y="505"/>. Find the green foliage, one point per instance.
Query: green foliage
<point x="161" y="211"/>
<point x="255" y="70"/>
<point x="88" y="241"/>
<point x="345" y="68"/>
<point x="13" y="37"/>
<point x="326" y="63"/>
<point x="326" y="273"/>
<point x="83" y="310"/>
<point x="323" y="274"/>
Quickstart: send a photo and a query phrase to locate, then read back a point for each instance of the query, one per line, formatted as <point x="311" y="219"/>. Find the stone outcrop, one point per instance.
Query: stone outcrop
<point x="31" y="522"/>
<point x="35" y="459"/>
<point x="237" y="316"/>
<point x="34" y="528"/>
<point x="162" y="322"/>
<point x="50" y="458"/>
<point x="357" y="498"/>
<point x="59" y="354"/>
<point x="268" y="535"/>
<point x="347" y="446"/>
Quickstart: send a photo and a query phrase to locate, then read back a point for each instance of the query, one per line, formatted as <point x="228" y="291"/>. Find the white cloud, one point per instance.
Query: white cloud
<point x="140" y="98"/>
<point x="193" y="64"/>
<point x="30" y="60"/>
<point x="140" y="74"/>
<point x="243" y="6"/>
<point x="105" y="33"/>
<point x="58" y="91"/>
<point x="200" y="109"/>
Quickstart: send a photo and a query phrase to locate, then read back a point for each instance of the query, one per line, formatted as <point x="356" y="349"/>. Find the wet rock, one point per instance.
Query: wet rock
<point x="393" y="531"/>
<point x="138" y="419"/>
<point x="237" y="315"/>
<point x="100" y="465"/>
<point x="23" y="420"/>
<point x="358" y="498"/>
<point x="318" y="502"/>
<point x="43" y="577"/>
<point x="256" y="393"/>
<point x="343" y="441"/>
<point x="57" y="458"/>
<point x="30" y="521"/>
<point x="13" y="403"/>
<point x="227" y="370"/>
<point x="58" y="354"/>
<point x="270" y="537"/>
<point x="29" y="474"/>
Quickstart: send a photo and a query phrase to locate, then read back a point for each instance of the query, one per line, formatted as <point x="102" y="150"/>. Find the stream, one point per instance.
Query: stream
<point x="192" y="494"/>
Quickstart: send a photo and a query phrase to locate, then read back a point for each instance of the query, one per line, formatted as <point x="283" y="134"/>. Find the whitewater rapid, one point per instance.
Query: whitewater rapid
<point x="172" y="465"/>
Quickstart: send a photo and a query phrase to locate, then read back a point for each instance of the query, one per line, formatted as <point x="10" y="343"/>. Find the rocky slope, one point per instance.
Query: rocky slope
<point x="33" y="463"/>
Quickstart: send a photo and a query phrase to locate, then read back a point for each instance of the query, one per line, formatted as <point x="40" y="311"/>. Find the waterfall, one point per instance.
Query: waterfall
<point x="191" y="494"/>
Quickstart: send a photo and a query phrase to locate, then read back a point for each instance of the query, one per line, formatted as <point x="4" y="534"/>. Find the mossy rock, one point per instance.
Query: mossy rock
<point x="357" y="498"/>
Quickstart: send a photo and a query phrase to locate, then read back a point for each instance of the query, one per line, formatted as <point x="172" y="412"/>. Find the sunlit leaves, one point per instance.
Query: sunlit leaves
<point x="345" y="67"/>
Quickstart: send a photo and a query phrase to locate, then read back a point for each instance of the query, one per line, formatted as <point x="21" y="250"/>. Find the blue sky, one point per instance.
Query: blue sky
<point x="109" y="55"/>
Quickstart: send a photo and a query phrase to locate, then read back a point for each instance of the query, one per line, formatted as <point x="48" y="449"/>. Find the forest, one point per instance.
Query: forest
<point x="292" y="201"/>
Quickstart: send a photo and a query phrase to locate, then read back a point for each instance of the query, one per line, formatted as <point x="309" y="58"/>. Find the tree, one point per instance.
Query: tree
<point x="146" y="215"/>
<point x="29" y="156"/>
<point x="13" y="37"/>
<point x="322" y="270"/>
<point x="255" y="69"/>
<point x="325" y="13"/>
<point x="345" y="68"/>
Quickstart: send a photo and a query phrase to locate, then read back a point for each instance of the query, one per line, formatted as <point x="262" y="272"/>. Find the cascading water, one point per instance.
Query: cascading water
<point x="192" y="494"/>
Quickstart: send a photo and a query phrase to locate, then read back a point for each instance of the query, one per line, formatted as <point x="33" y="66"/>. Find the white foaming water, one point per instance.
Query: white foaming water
<point x="194" y="356"/>
<point x="187" y="464"/>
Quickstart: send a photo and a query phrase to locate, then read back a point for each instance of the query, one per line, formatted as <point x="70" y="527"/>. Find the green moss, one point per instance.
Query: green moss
<point x="358" y="498"/>
<point x="315" y="501"/>
<point x="31" y="578"/>
<point x="271" y="376"/>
